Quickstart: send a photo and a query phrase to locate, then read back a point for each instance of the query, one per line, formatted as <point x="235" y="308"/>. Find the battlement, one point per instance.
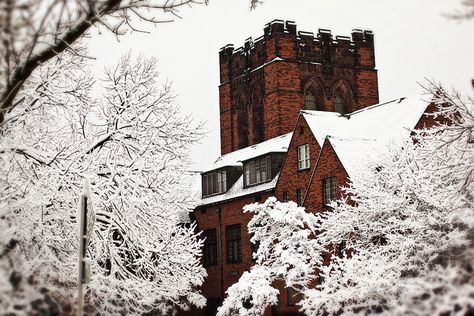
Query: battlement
<point x="282" y="39"/>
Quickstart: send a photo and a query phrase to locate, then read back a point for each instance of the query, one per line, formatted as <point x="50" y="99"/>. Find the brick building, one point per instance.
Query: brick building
<point x="299" y="113"/>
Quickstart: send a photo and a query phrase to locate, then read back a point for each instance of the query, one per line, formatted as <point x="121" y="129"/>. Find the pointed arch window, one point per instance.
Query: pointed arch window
<point x="310" y="101"/>
<point x="339" y="103"/>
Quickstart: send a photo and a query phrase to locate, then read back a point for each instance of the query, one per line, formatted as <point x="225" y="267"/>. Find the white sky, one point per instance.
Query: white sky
<point x="413" y="40"/>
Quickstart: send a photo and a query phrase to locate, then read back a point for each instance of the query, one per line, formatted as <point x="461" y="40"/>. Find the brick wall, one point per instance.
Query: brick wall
<point x="231" y="214"/>
<point x="290" y="177"/>
<point x="329" y="165"/>
<point x="283" y="62"/>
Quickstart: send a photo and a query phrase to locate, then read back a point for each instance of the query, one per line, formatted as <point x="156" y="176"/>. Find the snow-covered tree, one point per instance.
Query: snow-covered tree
<point x="287" y="252"/>
<point x="133" y="146"/>
<point x="407" y="223"/>
<point x="35" y="31"/>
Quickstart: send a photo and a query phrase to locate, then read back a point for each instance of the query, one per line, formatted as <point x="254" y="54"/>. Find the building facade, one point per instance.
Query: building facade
<point x="299" y="114"/>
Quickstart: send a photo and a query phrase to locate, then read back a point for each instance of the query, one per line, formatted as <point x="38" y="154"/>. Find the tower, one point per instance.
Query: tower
<point x="265" y="83"/>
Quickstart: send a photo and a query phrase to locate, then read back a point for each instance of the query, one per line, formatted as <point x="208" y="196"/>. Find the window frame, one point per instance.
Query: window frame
<point x="299" y="197"/>
<point x="233" y="234"/>
<point x="291" y="296"/>
<point x="303" y="157"/>
<point x="329" y="190"/>
<point x="341" y="103"/>
<point x="257" y="171"/>
<point x="310" y="98"/>
<point x="214" y="183"/>
<point x="209" y="251"/>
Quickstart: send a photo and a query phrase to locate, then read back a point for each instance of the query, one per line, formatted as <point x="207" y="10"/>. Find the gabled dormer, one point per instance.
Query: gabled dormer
<point x="262" y="169"/>
<point x="220" y="180"/>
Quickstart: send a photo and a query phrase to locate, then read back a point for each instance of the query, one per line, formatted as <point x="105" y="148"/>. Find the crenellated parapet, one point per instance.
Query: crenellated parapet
<point x="282" y="40"/>
<point x="267" y="81"/>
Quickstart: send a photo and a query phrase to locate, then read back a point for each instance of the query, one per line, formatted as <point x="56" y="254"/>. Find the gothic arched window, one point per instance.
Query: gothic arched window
<point x="339" y="103"/>
<point x="242" y="123"/>
<point x="257" y="115"/>
<point x="310" y="101"/>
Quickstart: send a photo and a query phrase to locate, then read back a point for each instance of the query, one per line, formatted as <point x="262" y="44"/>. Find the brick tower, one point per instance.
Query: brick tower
<point x="265" y="83"/>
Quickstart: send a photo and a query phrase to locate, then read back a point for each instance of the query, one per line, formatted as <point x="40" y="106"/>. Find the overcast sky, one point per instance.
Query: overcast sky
<point x="413" y="40"/>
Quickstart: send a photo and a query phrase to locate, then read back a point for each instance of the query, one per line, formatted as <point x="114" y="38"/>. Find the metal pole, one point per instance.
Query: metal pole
<point x="82" y="253"/>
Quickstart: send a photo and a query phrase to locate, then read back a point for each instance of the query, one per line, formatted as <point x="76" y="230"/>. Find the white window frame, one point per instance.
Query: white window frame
<point x="303" y="157"/>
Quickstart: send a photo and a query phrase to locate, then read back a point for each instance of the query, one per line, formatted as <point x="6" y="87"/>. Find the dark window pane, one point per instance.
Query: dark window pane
<point x="210" y="247"/>
<point x="330" y="187"/>
<point x="299" y="197"/>
<point x="234" y="243"/>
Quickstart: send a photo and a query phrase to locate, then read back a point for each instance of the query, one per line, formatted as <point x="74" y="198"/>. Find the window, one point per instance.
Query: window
<point x="210" y="247"/>
<point x="254" y="247"/>
<point x="257" y="171"/>
<point x="341" y="249"/>
<point x="310" y="101"/>
<point x="299" y="197"/>
<point x="291" y="294"/>
<point x="303" y="157"/>
<point x="234" y="243"/>
<point x="286" y="196"/>
<point x="339" y="103"/>
<point x="214" y="183"/>
<point x="329" y="185"/>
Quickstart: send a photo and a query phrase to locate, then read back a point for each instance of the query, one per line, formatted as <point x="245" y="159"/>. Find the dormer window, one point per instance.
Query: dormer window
<point x="220" y="180"/>
<point x="257" y="171"/>
<point x="214" y="183"/>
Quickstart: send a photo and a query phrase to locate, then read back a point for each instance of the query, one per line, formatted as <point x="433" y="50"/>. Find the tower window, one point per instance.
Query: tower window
<point x="329" y="185"/>
<point x="234" y="243"/>
<point x="310" y="101"/>
<point x="286" y="196"/>
<point x="303" y="157"/>
<point x="339" y="103"/>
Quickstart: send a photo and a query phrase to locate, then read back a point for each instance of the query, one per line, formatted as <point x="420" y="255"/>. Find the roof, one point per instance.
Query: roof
<point x="238" y="190"/>
<point x="368" y="133"/>
<point x="357" y="137"/>
<point x="235" y="158"/>
<point x="387" y="121"/>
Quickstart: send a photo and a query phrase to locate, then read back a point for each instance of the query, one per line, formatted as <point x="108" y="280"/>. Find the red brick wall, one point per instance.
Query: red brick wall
<point x="283" y="62"/>
<point x="329" y="165"/>
<point x="290" y="177"/>
<point x="231" y="213"/>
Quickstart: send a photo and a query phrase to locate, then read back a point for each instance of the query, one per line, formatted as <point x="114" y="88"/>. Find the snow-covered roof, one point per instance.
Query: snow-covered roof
<point x="355" y="152"/>
<point x="368" y="133"/>
<point x="238" y="190"/>
<point x="235" y="158"/>
<point x="387" y="121"/>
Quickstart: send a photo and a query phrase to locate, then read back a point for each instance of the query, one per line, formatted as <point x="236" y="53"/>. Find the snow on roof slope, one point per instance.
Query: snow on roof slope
<point x="368" y="133"/>
<point x="235" y="158"/>
<point x="354" y="153"/>
<point x="238" y="190"/>
<point x="388" y="121"/>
